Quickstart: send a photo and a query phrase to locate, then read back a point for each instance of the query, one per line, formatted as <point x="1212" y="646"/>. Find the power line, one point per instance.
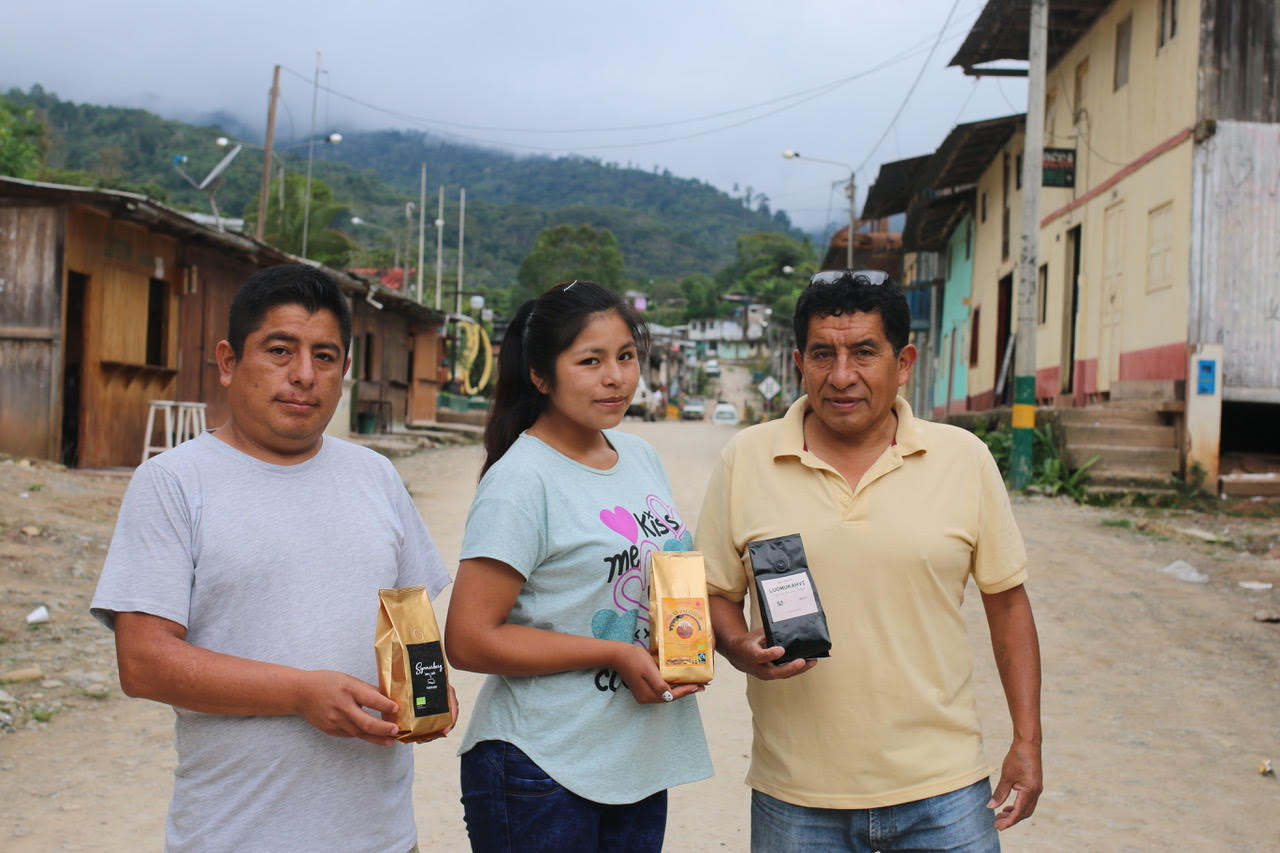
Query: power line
<point x="907" y="53"/>
<point x="796" y="99"/>
<point x="923" y="67"/>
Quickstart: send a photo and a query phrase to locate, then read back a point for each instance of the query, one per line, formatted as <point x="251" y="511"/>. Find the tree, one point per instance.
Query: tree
<point x="285" y="218"/>
<point x="21" y="135"/>
<point x="761" y="270"/>
<point x="567" y="252"/>
<point x="701" y="292"/>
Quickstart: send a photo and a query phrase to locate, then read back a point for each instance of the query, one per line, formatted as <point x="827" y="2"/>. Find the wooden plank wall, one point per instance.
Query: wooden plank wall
<point x="212" y="277"/>
<point x="31" y="284"/>
<point x="1240" y="60"/>
<point x="119" y="259"/>
<point x="389" y="383"/>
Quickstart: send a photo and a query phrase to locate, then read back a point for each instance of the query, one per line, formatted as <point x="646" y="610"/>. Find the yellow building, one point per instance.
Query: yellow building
<point x="1160" y="260"/>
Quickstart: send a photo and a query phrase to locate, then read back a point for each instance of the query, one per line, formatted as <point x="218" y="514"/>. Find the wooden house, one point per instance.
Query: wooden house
<point x="109" y="300"/>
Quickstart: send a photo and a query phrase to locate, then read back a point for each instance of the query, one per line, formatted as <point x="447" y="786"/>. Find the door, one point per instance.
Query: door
<point x="1004" y="354"/>
<point x="73" y="368"/>
<point x="1112" y="295"/>
<point x="1070" y="308"/>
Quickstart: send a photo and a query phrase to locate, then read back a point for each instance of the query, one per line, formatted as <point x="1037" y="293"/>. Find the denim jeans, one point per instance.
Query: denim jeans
<point x="959" y="821"/>
<point x="511" y="806"/>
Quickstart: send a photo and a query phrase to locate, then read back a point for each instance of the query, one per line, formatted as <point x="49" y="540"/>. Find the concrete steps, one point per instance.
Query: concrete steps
<point x="1136" y="449"/>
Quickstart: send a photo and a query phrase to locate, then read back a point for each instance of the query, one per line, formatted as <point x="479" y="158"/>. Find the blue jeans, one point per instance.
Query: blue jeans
<point x="511" y="805"/>
<point x="959" y="821"/>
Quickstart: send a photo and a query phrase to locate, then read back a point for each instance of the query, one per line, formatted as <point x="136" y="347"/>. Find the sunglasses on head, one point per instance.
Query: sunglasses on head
<point x="869" y="278"/>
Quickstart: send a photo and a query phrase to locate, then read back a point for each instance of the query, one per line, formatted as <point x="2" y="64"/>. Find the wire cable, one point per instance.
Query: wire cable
<point x="815" y="92"/>
<point x="902" y="106"/>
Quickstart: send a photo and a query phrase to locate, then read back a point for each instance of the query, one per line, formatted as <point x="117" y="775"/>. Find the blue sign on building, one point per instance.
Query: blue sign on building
<point x="1206" y="376"/>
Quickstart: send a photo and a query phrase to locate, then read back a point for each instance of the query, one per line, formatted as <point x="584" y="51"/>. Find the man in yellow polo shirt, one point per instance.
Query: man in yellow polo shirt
<point x="878" y="747"/>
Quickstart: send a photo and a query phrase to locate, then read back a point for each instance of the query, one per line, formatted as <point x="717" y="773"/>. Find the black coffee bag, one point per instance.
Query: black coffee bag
<point x="789" y="605"/>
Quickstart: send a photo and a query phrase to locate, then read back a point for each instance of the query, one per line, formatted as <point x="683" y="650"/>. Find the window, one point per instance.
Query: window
<point x="1082" y="81"/>
<point x="1042" y="295"/>
<point x="1004" y="205"/>
<point x="1017" y="171"/>
<point x="1124" y="31"/>
<point x="984" y="207"/>
<point x="367" y="354"/>
<point x="158" y="322"/>
<point x="1160" y="247"/>
<point x="973" y="338"/>
<point x="1050" y="100"/>
<point x="1168" y="22"/>
<point x="968" y="239"/>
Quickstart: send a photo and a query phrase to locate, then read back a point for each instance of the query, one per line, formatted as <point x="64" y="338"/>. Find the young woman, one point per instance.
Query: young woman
<point x="575" y="737"/>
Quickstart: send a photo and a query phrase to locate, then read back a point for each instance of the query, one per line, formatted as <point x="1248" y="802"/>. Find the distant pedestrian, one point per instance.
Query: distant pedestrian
<point x="659" y="407"/>
<point x="879" y="747"/>
<point x="575" y="736"/>
<point x="242" y="584"/>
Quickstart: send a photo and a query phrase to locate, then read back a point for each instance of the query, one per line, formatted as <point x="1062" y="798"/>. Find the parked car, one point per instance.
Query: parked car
<point x="694" y="409"/>
<point x="725" y="413"/>
<point x="712" y="367"/>
<point x="643" y="404"/>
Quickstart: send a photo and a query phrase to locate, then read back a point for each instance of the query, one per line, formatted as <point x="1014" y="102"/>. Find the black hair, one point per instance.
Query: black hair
<point x="285" y="284"/>
<point x="541" y="330"/>
<point x="851" y="293"/>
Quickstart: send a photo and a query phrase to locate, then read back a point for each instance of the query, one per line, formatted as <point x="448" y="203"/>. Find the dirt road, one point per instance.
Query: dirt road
<point x="1160" y="696"/>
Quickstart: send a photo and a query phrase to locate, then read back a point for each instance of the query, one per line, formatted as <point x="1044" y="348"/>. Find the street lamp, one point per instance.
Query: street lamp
<point x="791" y="154"/>
<point x="260" y="228"/>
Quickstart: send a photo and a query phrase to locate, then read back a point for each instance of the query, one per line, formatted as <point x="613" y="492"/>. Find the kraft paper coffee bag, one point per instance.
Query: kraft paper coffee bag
<point x="412" y="670"/>
<point x="680" y="634"/>
<point x="789" y="605"/>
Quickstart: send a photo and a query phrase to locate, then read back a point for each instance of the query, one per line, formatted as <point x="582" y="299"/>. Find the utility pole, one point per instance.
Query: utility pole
<point x="422" y="227"/>
<point x="260" y="228"/>
<point x="1024" y="387"/>
<point x="311" y="146"/>
<point x="462" y="230"/>
<point x="853" y="201"/>
<point x="439" y="245"/>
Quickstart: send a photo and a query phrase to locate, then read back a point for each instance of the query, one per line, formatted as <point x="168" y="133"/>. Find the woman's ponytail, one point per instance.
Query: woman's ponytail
<point x="516" y="401"/>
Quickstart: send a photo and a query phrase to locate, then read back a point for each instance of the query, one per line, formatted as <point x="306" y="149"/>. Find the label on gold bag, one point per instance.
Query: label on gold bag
<point x="685" y="627"/>
<point x="426" y="669"/>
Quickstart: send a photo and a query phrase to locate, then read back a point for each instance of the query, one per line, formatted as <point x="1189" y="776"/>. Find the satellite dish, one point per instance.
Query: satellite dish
<point x="220" y="168"/>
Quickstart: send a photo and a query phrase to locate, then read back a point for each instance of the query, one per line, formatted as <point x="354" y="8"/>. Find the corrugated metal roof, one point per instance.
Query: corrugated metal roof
<point x="138" y="208"/>
<point x="1002" y="30"/>
<point x="895" y="183"/>
<point x="963" y="156"/>
<point x="931" y="222"/>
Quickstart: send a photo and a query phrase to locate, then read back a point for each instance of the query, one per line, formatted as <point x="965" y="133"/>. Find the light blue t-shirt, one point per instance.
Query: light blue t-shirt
<point x="581" y="537"/>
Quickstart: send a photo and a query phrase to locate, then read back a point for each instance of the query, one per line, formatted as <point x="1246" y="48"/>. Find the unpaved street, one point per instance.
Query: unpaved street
<point x="1161" y="697"/>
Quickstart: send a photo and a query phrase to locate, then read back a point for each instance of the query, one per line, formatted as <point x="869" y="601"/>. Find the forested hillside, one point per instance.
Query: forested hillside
<point x="667" y="227"/>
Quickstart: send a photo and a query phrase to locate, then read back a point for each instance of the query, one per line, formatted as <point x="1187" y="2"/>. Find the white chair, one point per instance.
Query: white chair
<point x="167" y="407"/>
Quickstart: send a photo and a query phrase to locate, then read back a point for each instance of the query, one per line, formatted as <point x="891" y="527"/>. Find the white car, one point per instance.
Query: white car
<point x="694" y="409"/>
<point x="725" y="413"/>
<point x="712" y="367"/>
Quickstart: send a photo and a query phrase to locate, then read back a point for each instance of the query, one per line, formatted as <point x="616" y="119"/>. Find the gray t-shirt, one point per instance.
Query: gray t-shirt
<point x="581" y="537"/>
<point x="280" y="564"/>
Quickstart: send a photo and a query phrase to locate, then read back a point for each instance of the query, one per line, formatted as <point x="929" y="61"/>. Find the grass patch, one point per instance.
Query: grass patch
<point x="1117" y="522"/>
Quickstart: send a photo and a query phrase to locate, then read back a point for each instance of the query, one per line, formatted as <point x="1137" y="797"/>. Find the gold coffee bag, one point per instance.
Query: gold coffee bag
<point x="680" y="617"/>
<point x="412" y="670"/>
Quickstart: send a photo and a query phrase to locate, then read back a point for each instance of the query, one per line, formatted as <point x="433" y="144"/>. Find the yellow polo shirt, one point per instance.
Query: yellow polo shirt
<point x="890" y="717"/>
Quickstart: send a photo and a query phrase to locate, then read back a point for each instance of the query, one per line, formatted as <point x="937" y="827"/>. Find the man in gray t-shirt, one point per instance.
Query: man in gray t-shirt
<point x="242" y="586"/>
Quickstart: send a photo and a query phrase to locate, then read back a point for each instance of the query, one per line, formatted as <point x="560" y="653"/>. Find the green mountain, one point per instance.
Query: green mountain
<point x="668" y="227"/>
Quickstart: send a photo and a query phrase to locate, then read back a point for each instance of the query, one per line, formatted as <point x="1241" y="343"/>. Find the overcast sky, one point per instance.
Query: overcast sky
<point x="708" y="89"/>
